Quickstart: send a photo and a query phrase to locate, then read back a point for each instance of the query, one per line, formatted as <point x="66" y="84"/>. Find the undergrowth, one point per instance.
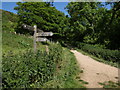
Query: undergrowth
<point x="22" y="68"/>
<point x="110" y="84"/>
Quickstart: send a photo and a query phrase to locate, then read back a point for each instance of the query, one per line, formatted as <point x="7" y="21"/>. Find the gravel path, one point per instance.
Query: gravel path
<point x="94" y="71"/>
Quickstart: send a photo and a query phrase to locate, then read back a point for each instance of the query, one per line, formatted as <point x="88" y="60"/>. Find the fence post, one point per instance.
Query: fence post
<point x="34" y="41"/>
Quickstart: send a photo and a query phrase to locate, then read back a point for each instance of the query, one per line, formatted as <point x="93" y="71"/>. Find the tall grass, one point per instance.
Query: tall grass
<point x="16" y="43"/>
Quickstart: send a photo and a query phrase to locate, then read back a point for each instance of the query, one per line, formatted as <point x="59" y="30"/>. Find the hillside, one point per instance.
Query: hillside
<point x="9" y="20"/>
<point x="24" y="69"/>
<point x="17" y="51"/>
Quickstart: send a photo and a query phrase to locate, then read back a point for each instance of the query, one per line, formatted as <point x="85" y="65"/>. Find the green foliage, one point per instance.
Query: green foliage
<point x="84" y="18"/>
<point x="28" y="69"/>
<point x="23" y="69"/>
<point x="89" y="22"/>
<point x="14" y="42"/>
<point x="106" y="54"/>
<point x="66" y="72"/>
<point x="17" y="43"/>
<point x="45" y="16"/>
<point x="92" y="23"/>
<point x="110" y="84"/>
<point x="56" y="51"/>
<point x="9" y="21"/>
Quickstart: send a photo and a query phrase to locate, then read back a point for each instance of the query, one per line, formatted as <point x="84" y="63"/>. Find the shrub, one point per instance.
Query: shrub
<point x="110" y="55"/>
<point x="29" y="69"/>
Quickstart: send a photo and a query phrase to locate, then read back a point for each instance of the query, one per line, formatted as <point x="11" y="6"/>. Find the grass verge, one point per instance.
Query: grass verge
<point x="66" y="73"/>
<point x="110" y="84"/>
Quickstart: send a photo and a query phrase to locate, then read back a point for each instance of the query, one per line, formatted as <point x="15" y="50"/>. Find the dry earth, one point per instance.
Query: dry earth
<point x="94" y="71"/>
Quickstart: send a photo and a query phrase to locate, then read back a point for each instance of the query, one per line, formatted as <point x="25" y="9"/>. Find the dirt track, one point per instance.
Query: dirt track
<point x="94" y="71"/>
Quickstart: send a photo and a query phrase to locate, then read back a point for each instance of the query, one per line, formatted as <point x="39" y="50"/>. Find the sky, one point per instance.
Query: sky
<point x="9" y="6"/>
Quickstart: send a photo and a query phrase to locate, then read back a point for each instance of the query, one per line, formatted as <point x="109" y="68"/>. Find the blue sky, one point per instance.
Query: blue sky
<point x="9" y="6"/>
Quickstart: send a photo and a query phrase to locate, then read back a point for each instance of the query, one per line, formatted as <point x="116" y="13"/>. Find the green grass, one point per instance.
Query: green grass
<point x="110" y="84"/>
<point x="17" y="43"/>
<point x="70" y="64"/>
<point x="9" y="21"/>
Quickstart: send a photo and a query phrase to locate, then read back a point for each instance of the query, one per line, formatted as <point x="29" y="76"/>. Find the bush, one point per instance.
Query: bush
<point x="110" y="55"/>
<point x="29" y="69"/>
<point x="66" y="72"/>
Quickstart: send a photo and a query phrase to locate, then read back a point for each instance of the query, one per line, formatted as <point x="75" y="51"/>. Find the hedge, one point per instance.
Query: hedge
<point x="107" y="54"/>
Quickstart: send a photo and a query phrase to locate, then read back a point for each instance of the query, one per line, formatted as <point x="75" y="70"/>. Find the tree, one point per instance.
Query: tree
<point x="45" y="16"/>
<point x="92" y="23"/>
<point x="84" y="18"/>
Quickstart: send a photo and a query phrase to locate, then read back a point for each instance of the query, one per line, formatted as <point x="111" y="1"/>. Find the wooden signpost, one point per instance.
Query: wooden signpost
<point x="39" y="35"/>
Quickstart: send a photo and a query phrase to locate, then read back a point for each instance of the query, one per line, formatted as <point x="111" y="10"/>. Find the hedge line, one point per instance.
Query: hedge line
<point x="106" y="54"/>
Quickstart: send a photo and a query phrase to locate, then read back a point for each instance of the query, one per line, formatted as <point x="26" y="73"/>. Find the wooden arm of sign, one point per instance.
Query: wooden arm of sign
<point x="30" y="28"/>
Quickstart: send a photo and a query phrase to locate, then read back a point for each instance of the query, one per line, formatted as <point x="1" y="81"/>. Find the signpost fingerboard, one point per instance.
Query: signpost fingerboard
<point x="42" y="39"/>
<point x="44" y="34"/>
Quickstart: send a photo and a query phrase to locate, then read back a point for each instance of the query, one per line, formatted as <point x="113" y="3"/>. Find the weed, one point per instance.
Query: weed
<point x="110" y="84"/>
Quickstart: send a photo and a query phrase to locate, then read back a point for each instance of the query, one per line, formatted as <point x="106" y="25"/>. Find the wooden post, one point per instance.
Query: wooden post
<point x="34" y="41"/>
<point x="47" y="49"/>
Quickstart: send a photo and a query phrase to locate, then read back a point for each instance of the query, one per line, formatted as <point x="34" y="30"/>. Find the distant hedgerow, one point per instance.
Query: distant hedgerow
<point x="109" y="55"/>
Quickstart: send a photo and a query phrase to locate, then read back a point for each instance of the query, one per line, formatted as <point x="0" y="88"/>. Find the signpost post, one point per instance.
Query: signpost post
<point x="34" y="40"/>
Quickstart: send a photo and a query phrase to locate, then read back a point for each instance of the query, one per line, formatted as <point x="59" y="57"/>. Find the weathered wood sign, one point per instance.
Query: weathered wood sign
<point x="39" y="35"/>
<point x="27" y="27"/>
<point x="42" y="39"/>
<point x="44" y="34"/>
<point x="31" y="28"/>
